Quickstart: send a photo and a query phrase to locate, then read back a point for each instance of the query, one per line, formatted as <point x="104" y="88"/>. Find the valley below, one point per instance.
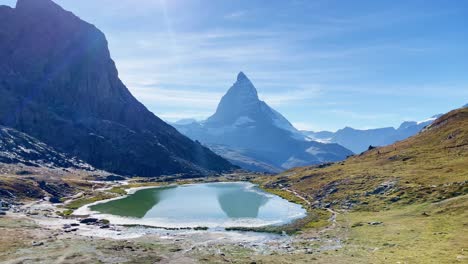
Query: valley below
<point x="37" y="231"/>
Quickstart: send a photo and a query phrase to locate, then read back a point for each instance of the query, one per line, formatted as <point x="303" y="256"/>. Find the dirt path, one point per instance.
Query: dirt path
<point x="297" y="195"/>
<point x="333" y="216"/>
<point x="332" y="220"/>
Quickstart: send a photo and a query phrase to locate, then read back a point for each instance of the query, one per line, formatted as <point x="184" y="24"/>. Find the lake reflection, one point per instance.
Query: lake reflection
<point x="239" y="202"/>
<point x="213" y="204"/>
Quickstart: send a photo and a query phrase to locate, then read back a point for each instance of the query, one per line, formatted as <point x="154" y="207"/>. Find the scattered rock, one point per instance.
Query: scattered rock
<point x="105" y="227"/>
<point x="114" y="178"/>
<point x="37" y="244"/>
<point x="89" y="221"/>
<point x="4" y="205"/>
<point x="383" y="188"/>
<point x="55" y="200"/>
<point x="357" y="224"/>
<point x="75" y="224"/>
<point x="23" y="172"/>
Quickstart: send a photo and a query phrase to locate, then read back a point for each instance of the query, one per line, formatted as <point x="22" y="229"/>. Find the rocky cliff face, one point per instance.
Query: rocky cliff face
<point x="59" y="84"/>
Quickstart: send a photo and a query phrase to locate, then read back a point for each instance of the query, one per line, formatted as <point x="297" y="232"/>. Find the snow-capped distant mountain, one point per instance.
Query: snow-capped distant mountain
<point x="249" y="133"/>
<point x="359" y="140"/>
<point x="240" y="107"/>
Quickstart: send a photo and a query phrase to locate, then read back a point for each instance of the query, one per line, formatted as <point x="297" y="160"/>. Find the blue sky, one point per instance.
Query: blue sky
<point x="323" y="64"/>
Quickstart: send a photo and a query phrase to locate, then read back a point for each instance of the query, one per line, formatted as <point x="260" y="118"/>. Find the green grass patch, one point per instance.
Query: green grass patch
<point x="88" y="200"/>
<point x="65" y="213"/>
<point x="118" y="190"/>
<point x="291" y="197"/>
<point x="315" y="219"/>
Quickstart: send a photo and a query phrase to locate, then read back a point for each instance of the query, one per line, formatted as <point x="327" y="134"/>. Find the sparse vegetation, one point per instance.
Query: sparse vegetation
<point x="65" y="213"/>
<point x="99" y="196"/>
<point x="384" y="177"/>
<point x="118" y="190"/>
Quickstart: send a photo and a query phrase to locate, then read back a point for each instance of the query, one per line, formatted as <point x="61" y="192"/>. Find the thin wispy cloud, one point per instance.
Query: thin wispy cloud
<point x="319" y="62"/>
<point x="181" y="98"/>
<point x="236" y="15"/>
<point x="291" y="96"/>
<point x="361" y="116"/>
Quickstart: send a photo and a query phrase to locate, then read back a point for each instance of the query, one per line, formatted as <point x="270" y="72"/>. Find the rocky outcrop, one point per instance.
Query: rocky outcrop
<point x="59" y="84"/>
<point x="19" y="148"/>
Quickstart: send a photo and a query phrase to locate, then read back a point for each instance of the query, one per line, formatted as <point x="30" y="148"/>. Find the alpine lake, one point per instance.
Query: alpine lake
<point x="211" y="205"/>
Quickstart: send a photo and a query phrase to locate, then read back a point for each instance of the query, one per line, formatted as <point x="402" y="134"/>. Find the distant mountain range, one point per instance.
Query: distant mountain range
<point x="249" y="133"/>
<point x="358" y="140"/>
<point x="59" y="85"/>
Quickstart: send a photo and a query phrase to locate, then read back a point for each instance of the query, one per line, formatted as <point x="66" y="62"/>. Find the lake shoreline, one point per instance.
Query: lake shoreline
<point x="195" y="242"/>
<point x="273" y="227"/>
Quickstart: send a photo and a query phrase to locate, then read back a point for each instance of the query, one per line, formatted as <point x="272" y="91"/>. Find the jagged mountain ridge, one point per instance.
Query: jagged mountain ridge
<point x="261" y="137"/>
<point x="60" y="85"/>
<point x="359" y="140"/>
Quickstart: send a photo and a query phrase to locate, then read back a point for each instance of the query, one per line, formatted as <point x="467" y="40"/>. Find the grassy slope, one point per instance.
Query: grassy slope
<point x="430" y="166"/>
<point x="416" y="187"/>
<point x="418" y="233"/>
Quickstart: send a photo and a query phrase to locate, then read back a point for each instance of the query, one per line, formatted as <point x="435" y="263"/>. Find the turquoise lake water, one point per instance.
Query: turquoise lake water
<point x="210" y="204"/>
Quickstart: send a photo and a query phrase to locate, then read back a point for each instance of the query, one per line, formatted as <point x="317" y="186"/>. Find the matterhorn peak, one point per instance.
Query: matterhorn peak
<point x="243" y="87"/>
<point x="239" y="100"/>
<point x="241" y="76"/>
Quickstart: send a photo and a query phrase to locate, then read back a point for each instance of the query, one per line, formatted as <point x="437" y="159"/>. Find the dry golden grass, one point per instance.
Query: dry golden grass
<point x="430" y="166"/>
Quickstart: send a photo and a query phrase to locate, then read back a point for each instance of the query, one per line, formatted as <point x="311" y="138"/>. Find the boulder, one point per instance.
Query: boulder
<point x="37" y="244"/>
<point x="89" y="221"/>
